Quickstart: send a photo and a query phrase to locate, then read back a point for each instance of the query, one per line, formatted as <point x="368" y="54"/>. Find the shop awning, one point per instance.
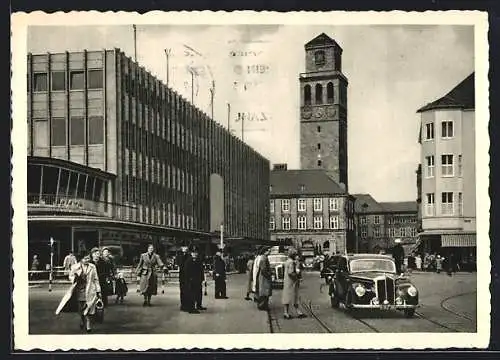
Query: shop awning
<point x="458" y="240"/>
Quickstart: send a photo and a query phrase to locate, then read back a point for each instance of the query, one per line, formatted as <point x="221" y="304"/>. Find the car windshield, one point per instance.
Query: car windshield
<point x="273" y="259"/>
<point x="383" y="265"/>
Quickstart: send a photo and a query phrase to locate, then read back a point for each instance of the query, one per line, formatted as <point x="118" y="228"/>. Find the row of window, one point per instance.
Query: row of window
<point x="447" y="131"/>
<point x="318" y="94"/>
<point x="447" y="204"/>
<point x="333" y="205"/>
<point x="377" y="220"/>
<point x="58" y="131"/>
<point x="59" y="80"/>
<point x="334" y="223"/>
<point x="392" y="232"/>
<point x="447" y="166"/>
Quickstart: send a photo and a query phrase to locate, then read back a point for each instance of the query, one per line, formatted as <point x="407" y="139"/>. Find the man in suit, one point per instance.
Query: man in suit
<point x="220" y="276"/>
<point x="181" y="260"/>
<point x="194" y="277"/>
<point x="398" y="254"/>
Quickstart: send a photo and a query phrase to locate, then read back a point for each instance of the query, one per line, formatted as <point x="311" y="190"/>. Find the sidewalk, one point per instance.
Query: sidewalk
<point x="233" y="315"/>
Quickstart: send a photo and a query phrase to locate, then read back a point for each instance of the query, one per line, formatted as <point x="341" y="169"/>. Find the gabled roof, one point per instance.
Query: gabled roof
<point x="372" y="205"/>
<point x="461" y="96"/>
<point x="303" y="182"/>
<point x="321" y="40"/>
<point x="400" y="206"/>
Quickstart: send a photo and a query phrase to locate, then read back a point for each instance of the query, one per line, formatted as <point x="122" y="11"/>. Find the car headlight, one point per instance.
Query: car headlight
<point x="360" y="290"/>
<point x="412" y="291"/>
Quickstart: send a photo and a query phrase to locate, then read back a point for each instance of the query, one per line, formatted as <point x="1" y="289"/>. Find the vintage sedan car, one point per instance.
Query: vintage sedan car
<point x="277" y="262"/>
<point x="368" y="281"/>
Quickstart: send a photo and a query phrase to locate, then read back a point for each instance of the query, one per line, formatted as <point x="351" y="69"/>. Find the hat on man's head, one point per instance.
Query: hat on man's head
<point x="95" y="249"/>
<point x="292" y="252"/>
<point x="397" y="241"/>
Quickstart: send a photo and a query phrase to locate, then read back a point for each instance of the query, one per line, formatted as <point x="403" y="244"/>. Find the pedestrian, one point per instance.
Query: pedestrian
<point x="255" y="272"/>
<point x="411" y="263"/>
<point x="451" y="264"/>
<point x="264" y="278"/>
<point x="108" y="275"/>
<point x="439" y="263"/>
<point x="35" y="265"/>
<point x="181" y="260"/>
<point x="68" y="262"/>
<point x="194" y="276"/>
<point x="220" y="276"/>
<point x="398" y="254"/>
<point x="149" y="263"/>
<point x="250" y="277"/>
<point x="84" y="293"/>
<point x="418" y="262"/>
<point x="290" y="294"/>
<point x="98" y="262"/>
<point x="121" y="288"/>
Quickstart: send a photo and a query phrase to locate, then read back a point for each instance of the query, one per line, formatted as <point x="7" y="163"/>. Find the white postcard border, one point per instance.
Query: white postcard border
<point x="24" y="341"/>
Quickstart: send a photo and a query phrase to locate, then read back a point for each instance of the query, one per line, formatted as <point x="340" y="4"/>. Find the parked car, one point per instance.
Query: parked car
<point x="369" y="281"/>
<point x="277" y="262"/>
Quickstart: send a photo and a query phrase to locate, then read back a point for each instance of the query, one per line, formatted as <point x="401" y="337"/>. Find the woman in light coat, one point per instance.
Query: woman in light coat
<point x="149" y="263"/>
<point x="255" y="277"/>
<point x="85" y="289"/>
<point x="291" y="282"/>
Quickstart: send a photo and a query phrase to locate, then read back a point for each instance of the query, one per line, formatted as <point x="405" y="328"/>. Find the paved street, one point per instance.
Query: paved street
<point x="448" y="305"/>
<point x="438" y="298"/>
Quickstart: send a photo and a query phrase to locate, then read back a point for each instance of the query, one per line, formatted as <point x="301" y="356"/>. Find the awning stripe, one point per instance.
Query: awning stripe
<point x="458" y="240"/>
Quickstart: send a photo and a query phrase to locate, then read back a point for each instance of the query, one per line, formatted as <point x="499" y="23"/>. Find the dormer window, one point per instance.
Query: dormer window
<point x="319" y="57"/>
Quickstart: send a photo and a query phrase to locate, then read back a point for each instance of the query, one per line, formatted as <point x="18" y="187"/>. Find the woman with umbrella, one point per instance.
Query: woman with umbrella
<point x="85" y="291"/>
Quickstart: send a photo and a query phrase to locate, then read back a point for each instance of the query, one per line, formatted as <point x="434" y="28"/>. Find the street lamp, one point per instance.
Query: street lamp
<point x="364" y="206"/>
<point x="51" y="243"/>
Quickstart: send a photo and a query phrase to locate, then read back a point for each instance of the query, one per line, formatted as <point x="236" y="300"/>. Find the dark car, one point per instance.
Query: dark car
<point x="277" y="262"/>
<point x="368" y="281"/>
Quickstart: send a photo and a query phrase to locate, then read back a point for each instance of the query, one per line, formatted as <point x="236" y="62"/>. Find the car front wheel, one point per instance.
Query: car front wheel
<point x="409" y="313"/>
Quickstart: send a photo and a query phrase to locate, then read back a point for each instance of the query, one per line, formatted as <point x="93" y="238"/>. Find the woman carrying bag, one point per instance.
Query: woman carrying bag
<point x="84" y="295"/>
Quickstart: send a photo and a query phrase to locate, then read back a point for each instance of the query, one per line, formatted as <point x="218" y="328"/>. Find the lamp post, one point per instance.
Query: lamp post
<point x="364" y="206"/>
<point x="51" y="243"/>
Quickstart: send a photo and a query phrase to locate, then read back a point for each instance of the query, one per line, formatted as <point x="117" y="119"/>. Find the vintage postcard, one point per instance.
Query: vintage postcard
<point x="250" y="180"/>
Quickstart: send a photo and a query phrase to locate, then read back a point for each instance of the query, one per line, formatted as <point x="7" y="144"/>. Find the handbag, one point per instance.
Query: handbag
<point x="99" y="311"/>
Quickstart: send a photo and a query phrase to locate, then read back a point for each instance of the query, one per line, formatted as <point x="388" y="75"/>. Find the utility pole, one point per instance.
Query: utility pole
<point x="167" y="55"/>
<point x="228" y="116"/>
<point x="192" y="86"/>
<point x="212" y="95"/>
<point x="243" y="127"/>
<point x="135" y="43"/>
<point x="51" y="272"/>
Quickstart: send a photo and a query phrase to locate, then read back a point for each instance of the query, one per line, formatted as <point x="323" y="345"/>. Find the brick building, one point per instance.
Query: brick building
<point x="380" y="223"/>
<point x="117" y="158"/>
<point x="309" y="209"/>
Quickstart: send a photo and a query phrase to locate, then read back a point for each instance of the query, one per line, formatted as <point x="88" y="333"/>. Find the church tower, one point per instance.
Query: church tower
<point x="323" y="110"/>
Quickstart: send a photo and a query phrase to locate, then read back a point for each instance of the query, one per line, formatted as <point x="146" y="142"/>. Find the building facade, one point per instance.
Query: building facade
<point x="115" y="157"/>
<point x="379" y="224"/>
<point x="447" y="139"/>
<point x="323" y="104"/>
<point x="310" y="210"/>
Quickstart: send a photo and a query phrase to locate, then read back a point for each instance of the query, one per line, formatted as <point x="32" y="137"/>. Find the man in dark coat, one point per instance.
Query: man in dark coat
<point x="220" y="277"/>
<point x="398" y="254"/>
<point x="181" y="260"/>
<point x="194" y="277"/>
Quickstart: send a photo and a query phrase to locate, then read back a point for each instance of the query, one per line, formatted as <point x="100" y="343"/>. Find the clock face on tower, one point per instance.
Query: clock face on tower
<point x="331" y="112"/>
<point x="306" y="112"/>
<point x="319" y="57"/>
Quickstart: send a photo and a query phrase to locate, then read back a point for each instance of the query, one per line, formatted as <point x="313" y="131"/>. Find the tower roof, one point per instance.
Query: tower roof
<point x="321" y="40"/>
<point x="461" y="96"/>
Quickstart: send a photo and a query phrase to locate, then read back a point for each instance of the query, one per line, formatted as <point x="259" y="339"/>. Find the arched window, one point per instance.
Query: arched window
<point x="307" y="95"/>
<point x="329" y="93"/>
<point x="319" y="94"/>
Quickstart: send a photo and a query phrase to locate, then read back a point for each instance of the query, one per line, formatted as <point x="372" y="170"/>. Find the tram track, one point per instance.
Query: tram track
<point x="445" y="308"/>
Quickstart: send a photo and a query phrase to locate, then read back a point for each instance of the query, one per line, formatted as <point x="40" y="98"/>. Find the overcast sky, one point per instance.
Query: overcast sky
<point x="392" y="71"/>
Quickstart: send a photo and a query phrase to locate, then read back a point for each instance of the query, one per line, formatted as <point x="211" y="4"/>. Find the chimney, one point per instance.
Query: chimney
<point x="279" y="167"/>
